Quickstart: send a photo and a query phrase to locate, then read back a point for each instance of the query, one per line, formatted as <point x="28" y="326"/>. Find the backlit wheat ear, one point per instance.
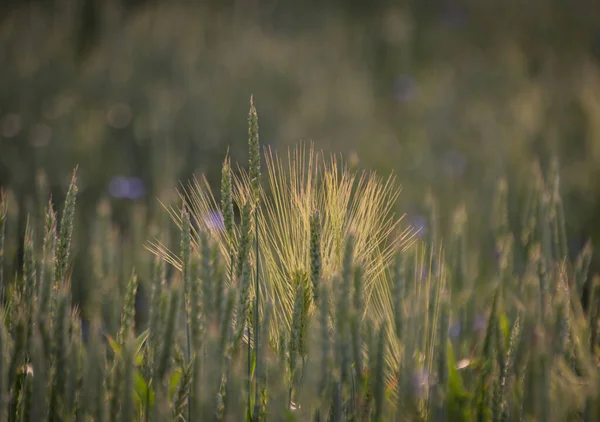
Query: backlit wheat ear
<point x="297" y="185"/>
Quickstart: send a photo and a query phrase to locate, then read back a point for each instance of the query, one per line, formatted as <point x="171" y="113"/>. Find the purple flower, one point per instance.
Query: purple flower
<point x="420" y="381"/>
<point x="454" y="15"/>
<point x="480" y="322"/>
<point x="419" y="223"/>
<point x="455" y="330"/>
<point x="404" y="89"/>
<point x="127" y="187"/>
<point x="214" y="221"/>
<point x="454" y="164"/>
<point x="11" y="125"/>
<point x="497" y="255"/>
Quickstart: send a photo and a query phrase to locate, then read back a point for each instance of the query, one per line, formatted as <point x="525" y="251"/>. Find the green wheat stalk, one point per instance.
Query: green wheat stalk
<point x="254" y="175"/>
<point x="168" y="335"/>
<point x="29" y="280"/>
<point x="378" y="374"/>
<point x="94" y="388"/>
<point x="315" y="254"/>
<point x="60" y="358"/>
<point x="156" y="315"/>
<point x="186" y="271"/>
<point x="126" y="380"/>
<point x="63" y="245"/>
<point x="40" y="390"/>
<point x="47" y="273"/>
<point x="183" y="393"/>
<point x="128" y="312"/>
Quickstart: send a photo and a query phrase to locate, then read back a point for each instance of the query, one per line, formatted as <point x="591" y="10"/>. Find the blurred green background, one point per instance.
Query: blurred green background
<point x="449" y="95"/>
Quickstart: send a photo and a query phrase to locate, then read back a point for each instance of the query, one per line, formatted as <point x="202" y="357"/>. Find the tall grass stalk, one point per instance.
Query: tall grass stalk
<point x="186" y="253"/>
<point x="255" y="174"/>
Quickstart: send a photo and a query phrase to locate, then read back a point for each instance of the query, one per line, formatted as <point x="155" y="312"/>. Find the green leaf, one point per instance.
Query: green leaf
<point x="137" y="401"/>
<point x="114" y="345"/>
<point x="457" y="396"/>
<point x="142" y="389"/>
<point x="504" y="328"/>
<point x="289" y="416"/>
<point x="174" y="382"/>
<point x="253" y="364"/>
<point x="139" y="342"/>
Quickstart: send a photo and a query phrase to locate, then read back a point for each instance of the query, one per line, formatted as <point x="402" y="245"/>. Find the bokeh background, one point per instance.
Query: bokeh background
<point x="449" y="95"/>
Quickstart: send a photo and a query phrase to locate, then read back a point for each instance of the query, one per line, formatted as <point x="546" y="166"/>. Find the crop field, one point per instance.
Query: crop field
<point x="302" y="294"/>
